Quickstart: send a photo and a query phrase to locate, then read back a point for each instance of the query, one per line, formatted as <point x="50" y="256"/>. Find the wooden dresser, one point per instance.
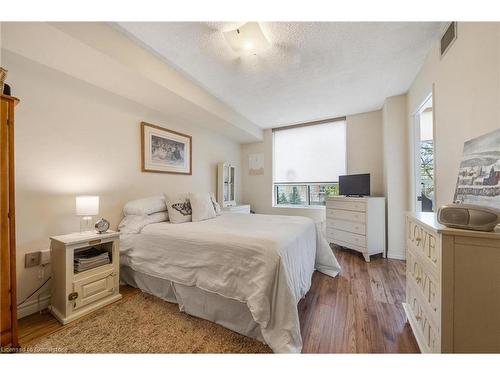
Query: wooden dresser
<point x="357" y="223"/>
<point x="452" y="287"/>
<point x="8" y="308"/>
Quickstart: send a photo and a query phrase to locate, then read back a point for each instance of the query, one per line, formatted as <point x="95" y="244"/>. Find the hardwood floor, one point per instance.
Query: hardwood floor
<point x="359" y="311"/>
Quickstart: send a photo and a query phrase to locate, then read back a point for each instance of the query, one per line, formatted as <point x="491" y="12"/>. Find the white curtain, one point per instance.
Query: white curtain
<point x="315" y="153"/>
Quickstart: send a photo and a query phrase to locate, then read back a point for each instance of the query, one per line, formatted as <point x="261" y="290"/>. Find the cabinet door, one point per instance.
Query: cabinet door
<point x="94" y="287"/>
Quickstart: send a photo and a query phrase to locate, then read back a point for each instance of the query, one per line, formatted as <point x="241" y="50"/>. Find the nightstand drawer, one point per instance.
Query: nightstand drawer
<point x="93" y="288"/>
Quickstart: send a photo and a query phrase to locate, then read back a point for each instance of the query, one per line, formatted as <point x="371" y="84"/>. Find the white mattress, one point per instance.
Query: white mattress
<point x="264" y="261"/>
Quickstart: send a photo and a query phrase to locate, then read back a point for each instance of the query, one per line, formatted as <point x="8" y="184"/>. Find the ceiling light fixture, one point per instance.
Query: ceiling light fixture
<point x="248" y="38"/>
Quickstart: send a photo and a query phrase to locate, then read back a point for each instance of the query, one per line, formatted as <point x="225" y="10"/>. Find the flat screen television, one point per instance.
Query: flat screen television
<point x="354" y="184"/>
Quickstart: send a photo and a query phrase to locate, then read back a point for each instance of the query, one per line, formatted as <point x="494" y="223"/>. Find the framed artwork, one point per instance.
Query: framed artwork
<point x="478" y="179"/>
<point x="256" y="164"/>
<point x="165" y="151"/>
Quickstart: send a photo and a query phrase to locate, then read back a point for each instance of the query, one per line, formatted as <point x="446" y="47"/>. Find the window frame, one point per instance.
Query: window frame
<point x="308" y="185"/>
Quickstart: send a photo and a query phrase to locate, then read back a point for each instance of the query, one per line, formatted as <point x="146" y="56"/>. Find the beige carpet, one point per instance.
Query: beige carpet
<point x="145" y="324"/>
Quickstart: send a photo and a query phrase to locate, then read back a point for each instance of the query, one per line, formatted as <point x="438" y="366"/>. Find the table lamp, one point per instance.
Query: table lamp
<point x="86" y="207"/>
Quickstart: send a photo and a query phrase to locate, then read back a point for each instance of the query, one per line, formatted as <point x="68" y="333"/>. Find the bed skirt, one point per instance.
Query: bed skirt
<point x="194" y="301"/>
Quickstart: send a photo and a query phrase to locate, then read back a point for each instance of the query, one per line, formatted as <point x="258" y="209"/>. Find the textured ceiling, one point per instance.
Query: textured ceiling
<point x="313" y="70"/>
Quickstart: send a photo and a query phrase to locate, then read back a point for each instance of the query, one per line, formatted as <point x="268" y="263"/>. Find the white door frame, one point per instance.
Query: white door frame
<point x="415" y="164"/>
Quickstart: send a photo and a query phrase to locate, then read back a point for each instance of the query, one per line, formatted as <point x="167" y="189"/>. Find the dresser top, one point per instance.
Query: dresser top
<point x="429" y="220"/>
<point x="345" y="198"/>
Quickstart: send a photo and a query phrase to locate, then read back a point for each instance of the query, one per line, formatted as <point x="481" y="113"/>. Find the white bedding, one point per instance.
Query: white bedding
<point x="265" y="261"/>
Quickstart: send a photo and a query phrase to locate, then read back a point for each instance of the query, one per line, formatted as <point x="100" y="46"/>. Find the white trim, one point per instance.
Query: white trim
<point x="33" y="306"/>
<point x="395" y="254"/>
<point x="415" y="160"/>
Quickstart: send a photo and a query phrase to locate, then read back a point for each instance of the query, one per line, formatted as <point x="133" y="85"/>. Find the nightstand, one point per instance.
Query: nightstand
<point x="239" y="209"/>
<point x="74" y="293"/>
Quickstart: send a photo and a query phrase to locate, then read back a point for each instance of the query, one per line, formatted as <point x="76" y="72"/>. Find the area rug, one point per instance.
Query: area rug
<point x="145" y="324"/>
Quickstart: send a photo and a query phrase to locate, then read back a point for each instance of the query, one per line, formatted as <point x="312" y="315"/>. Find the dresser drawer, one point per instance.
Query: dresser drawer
<point x="426" y="330"/>
<point x="332" y="213"/>
<point x="346" y="205"/>
<point x="424" y="243"/>
<point x="348" y="226"/>
<point x="417" y="273"/>
<point x="346" y="237"/>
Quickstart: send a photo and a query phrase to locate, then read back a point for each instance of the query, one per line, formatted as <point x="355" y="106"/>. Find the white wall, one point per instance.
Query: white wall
<point x="395" y="147"/>
<point x="364" y="148"/>
<point x="466" y="98"/>
<point x="364" y="155"/>
<point x="96" y="53"/>
<point x="74" y="138"/>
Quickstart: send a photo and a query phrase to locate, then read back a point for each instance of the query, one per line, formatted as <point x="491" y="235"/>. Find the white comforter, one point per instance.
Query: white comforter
<point x="265" y="261"/>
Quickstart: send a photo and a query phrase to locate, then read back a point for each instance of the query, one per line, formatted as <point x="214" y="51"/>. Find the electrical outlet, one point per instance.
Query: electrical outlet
<point x="32" y="259"/>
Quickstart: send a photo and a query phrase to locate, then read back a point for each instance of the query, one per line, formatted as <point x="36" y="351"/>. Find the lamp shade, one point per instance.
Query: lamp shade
<point x="87" y="205"/>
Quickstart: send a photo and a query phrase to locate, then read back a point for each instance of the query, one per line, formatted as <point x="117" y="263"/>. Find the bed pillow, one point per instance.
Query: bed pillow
<point x="179" y="208"/>
<point x="218" y="210"/>
<point x="145" y="206"/>
<point x="133" y="224"/>
<point x="201" y="206"/>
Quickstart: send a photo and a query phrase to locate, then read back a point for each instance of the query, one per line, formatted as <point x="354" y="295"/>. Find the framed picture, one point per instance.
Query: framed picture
<point x="165" y="151"/>
<point x="478" y="179"/>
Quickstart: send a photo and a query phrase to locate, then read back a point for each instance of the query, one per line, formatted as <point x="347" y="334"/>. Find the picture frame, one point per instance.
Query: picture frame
<point x="478" y="179"/>
<point x="165" y="151"/>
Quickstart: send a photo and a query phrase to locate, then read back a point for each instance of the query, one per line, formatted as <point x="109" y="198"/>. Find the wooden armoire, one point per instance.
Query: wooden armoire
<point x="8" y="308"/>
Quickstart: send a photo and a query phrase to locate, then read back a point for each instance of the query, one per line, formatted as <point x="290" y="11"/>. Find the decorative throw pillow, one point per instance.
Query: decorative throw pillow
<point x="202" y="206"/>
<point x="145" y="206"/>
<point x="218" y="210"/>
<point x="179" y="208"/>
<point x="133" y="224"/>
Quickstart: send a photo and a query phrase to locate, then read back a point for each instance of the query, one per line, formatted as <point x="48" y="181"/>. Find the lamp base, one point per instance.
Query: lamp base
<point x="86" y="224"/>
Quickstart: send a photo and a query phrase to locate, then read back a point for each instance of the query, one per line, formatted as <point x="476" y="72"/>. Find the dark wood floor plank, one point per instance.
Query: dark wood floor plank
<point x="360" y="310"/>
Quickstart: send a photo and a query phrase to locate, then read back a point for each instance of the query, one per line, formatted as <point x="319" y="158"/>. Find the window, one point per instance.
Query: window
<point x="307" y="163"/>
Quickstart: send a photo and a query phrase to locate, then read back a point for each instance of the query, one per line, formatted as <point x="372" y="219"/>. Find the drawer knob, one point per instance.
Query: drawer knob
<point x="72" y="296"/>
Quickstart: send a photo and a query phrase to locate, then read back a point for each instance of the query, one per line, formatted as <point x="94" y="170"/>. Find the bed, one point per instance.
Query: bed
<point x="245" y="272"/>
